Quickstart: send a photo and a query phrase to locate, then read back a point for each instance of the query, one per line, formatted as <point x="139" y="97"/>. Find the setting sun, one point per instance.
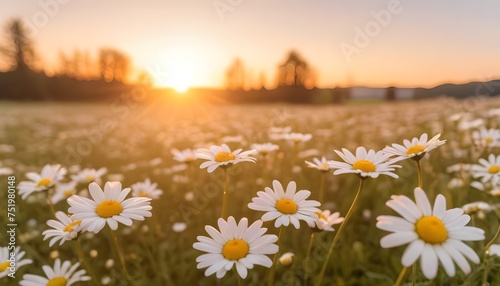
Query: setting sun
<point x="178" y="70"/>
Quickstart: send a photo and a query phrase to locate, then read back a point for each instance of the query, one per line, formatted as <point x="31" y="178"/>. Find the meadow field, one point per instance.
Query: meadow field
<point x="134" y="141"/>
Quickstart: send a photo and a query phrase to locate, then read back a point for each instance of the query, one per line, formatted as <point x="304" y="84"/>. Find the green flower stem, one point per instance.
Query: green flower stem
<point x="272" y="271"/>
<point x="84" y="261"/>
<point x="240" y="283"/>
<point x="414" y="274"/>
<point x="224" y="195"/>
<point x="402" y="276"/>
<point x="119" y="254"/>
<point x="49" y="201"/>
<point x="309" y="249"/>
<point x="486" y="256"/>
<point x="419" y="173"/>
<point x="337" y="235"/>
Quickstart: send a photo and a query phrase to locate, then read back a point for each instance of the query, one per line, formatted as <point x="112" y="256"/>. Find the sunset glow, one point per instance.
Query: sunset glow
<point x="375" y="43"/>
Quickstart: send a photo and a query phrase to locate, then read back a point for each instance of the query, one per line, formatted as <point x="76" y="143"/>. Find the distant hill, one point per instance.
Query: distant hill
<point x="489" y="88"/>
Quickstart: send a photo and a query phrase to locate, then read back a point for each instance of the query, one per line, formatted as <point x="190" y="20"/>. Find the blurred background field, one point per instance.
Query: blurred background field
<point x="134" y="141"/>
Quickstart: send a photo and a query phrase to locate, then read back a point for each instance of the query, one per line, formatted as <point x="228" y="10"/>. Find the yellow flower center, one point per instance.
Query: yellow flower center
<point x="57" y="281"/>
<point x="488" y="140"/>
<point x="494" y="169"/>
<point x="44" y="182"/>
<point x="4" y="266"/>
<point x="472" y="210"/>
<point x="109" y="208"/>
<point x="324" y="166"/>
<point x="69" y="227"/>
<point x="321" y="215"/>
<point x="142" y="193"/>
<point x="235" y="249"/>
<point x="89" y="178"/>
<point x="69" y="193"/>
<point x="431" y="230"/>
<point x="364" y="165"/>
<point x="224" y="156"/>
<point x="414" y="150"/>
<point x="188" y="159"/>
<point x="286" y="206"/>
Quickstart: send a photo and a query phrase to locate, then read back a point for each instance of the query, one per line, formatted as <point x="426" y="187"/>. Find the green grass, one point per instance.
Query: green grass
<point x="73" y="134"/>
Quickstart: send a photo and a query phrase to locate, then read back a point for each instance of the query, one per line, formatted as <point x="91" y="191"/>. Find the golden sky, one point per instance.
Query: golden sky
<point x="192" y="42"/>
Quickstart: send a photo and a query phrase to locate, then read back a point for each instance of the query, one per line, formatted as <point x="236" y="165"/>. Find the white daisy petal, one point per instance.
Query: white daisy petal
<point x="285" y="207"/>
<point x="108" y="207"/>
<point x="66" y="270"/>
<point x="236" y="245"/>
<point x="437" y="234"/>
<point x="423" y="202"/>
<point x="445" y="260"/>
<point x="429" y="262"/>
<point x="397" y="239"/>
<point x="412" y="252"/>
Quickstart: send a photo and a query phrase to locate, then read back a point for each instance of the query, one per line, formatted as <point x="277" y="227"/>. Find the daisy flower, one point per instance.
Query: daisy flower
<point x="278" y="133"/>
<point x="63" y="229"/>
<point x="414" y="149"/>
<point x="286" y="206"/>
<point x="62" y="274"/>
<point x="434" y="234"/>
<point x="184" y="156"/>
<point x="49" y="176"/>
<point x="488" y="170"/>
<point x="286" y="259"/>
<point x="494" y="250"/>
<point x="297" y="137"/>
<point x="235" y="245"/>
<point x="108" y="207"/>
<point x="475" y="207"/>
<point x="146" y="189"/>
<point x="486" y="137"/>
<point x="63" y="191"/>
<point x="265" y="148"/>
<point x="89" y="175"/>
<point x="318" y="164"/>
<point x="221" y="156"/>
<point x="326" y="220"/>
<point x="365" y="163"/>
<point x="5" y="264"/>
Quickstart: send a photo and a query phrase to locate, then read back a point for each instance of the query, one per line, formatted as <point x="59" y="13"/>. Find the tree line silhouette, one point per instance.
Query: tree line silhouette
<point x="78" y="77"/>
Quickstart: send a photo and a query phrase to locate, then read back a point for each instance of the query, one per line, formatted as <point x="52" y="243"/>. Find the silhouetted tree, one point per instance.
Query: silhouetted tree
<point x="295" y="71"/>
<point x="262" y="80"/>
<point x="235" y="75"/>
<point x="390" y="93"/>
<point x="19" y="49"/>
<point x="113" y="65"/>
<point x="79" y="66"/>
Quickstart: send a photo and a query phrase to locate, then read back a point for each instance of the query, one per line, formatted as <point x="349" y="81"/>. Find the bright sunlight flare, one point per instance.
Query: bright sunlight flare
<point x="178" y="71"/>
